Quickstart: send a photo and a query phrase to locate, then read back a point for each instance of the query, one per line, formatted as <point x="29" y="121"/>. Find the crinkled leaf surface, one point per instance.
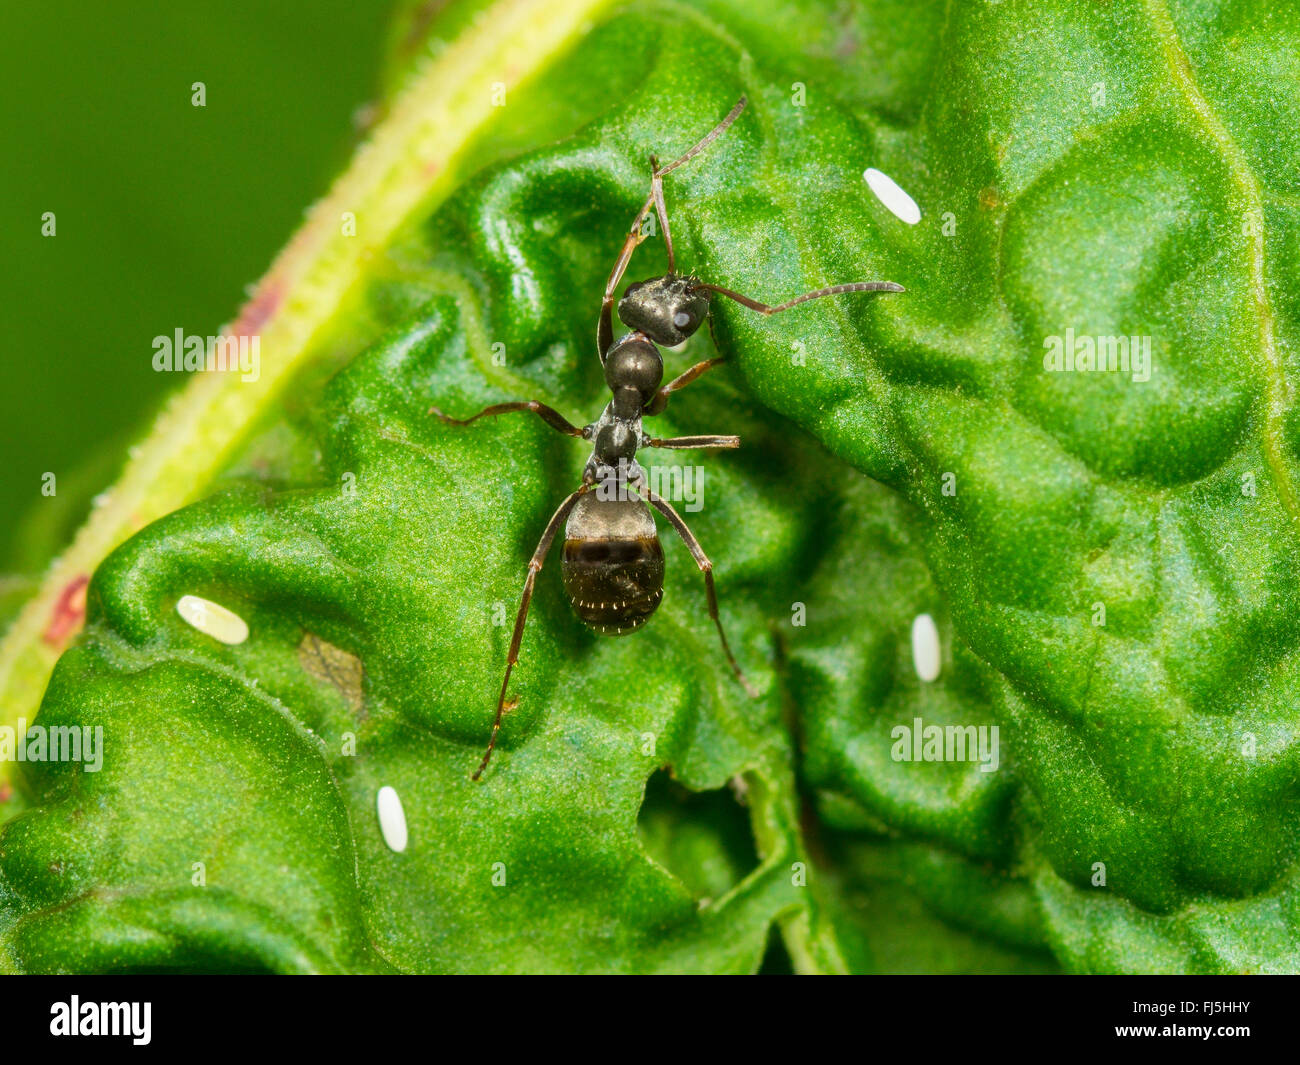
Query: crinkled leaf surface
<point x="1120" y="169"/>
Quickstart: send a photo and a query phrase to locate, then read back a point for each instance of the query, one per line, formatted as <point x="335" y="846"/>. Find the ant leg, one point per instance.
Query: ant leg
<point x="681" y="443"/>
<point x="657" y="174"/>
<point x="660" y="399"/>
<point x="682" y="380"/>
<point x="549" y="415"/>
<point x="605" y="330"/>
<point x="661" y="209"/>
<point x="829" y="290"/>
<point x="706" y="567"/>
<point x="534" y="564"/>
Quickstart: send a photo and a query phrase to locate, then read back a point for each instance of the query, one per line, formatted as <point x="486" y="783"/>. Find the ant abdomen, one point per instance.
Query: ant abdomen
<point x="613" y="564"/>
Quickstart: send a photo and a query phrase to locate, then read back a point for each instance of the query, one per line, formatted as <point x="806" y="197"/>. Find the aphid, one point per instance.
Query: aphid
<point x="613" y="565"/>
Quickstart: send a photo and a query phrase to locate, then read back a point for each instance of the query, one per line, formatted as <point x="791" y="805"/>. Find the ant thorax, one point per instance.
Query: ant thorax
<point x="615" y="437"/>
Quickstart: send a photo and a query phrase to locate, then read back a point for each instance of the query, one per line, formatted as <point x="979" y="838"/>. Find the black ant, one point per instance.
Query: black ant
<point x="613" y="567"/>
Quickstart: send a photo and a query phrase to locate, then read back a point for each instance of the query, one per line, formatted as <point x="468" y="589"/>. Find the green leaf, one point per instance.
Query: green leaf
<point x="1142" y="814"/>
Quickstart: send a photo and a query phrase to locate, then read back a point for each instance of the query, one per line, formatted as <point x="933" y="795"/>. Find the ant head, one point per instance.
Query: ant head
<point x="667" y="309"/>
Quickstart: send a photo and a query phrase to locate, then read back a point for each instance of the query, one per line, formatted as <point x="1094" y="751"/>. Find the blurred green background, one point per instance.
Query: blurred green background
<point x="165" y="212"/>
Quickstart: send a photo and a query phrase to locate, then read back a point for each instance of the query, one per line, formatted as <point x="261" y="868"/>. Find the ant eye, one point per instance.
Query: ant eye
<point x="681" y="319"/>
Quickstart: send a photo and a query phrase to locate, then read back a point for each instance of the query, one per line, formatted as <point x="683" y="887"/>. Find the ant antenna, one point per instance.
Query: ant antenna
<point x="654" y="202"/>
<point x="708" y="138"/>
<point x="829" y="290"/>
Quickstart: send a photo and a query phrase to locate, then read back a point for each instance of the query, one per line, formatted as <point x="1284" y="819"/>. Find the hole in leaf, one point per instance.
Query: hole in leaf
<point x="334" y="666"/>
<point x="702" y="838"/>
<point x="776" y="959"/>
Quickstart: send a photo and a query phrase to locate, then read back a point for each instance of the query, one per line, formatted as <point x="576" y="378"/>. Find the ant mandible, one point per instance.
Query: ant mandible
<point x="613" y="566"/>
